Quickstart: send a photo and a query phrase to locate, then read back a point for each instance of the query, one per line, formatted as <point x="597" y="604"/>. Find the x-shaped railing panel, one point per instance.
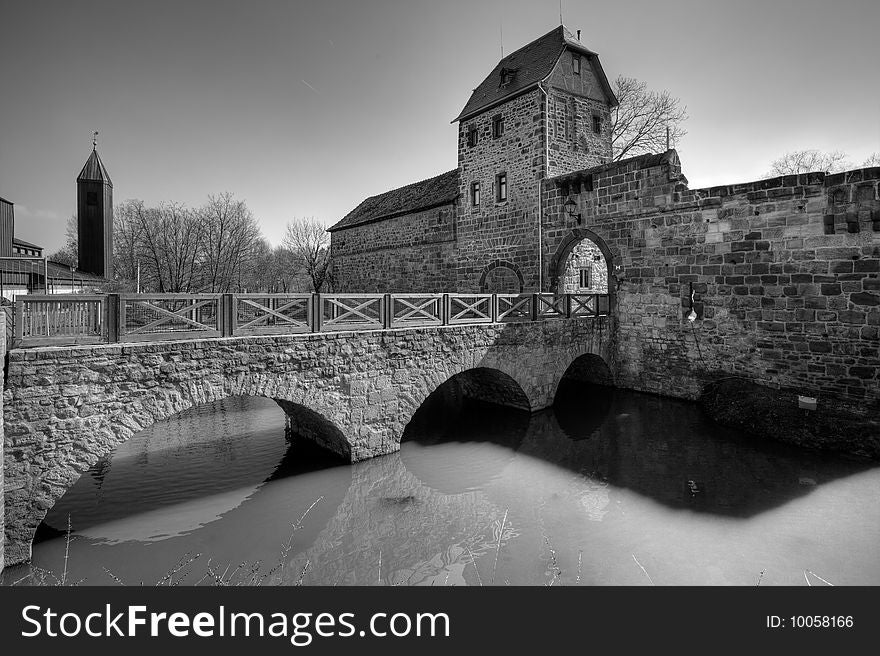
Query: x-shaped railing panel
<point x="470" y="308"/>
<point x="259" y="314"/>
<point x="349" y="311"/>
<point x="582" y="305"/>
<point x="550" y="306"/>
<point x="416" y="309"/>
<point x="513" y="307"/>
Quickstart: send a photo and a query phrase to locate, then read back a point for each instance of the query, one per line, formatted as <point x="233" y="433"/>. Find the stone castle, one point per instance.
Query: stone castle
<point x="783" y="274"/>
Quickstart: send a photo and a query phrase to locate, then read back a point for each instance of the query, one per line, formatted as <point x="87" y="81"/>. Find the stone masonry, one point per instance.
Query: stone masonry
<point x="544" y="110"/>
<point x="785" y="276"/>
<point x="354" y="393"/>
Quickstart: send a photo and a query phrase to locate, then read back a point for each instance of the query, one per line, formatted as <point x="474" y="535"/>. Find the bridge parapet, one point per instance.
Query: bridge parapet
<point x="64" y="320"/>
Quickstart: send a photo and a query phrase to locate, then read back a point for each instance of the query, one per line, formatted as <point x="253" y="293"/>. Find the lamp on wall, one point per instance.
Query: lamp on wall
<point x="571" y="210"/>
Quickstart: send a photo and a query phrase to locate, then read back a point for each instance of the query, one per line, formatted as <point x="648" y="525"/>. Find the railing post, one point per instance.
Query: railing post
<point x="19" y="322"/>
<point x="112" y="318"/>
<point x="386" y="310"/>
<point x="444" y="310"/>
<point x="317" y="313"/>
<point x="596" y="305"/>
<point x="493" y="308"/>
<point x="225" y="312"/>
<point x="566" y="300"/>
<point x="535" y="306"/>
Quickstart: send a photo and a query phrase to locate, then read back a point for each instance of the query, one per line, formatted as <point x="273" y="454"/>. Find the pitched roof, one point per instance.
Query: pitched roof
<point x="423" y="195"/>
<point x="94" y="170"/>
<point x="26" y="244"/>
<point x="530" y="65"/>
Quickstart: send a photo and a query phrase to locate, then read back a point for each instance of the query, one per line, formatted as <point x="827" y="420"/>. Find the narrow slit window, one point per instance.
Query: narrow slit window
<point x="472" y="137"/>
<point x="584" y="279"/>
<point x="597" y="124"/>
<point x="475" y="194"/>
<point x="576" y="64"/>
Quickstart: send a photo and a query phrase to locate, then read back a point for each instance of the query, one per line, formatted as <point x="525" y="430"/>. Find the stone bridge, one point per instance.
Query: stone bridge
<point x="352" y="392"/>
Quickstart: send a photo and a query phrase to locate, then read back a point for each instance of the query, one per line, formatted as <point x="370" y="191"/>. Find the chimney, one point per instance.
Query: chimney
<point x="579" y="35"/>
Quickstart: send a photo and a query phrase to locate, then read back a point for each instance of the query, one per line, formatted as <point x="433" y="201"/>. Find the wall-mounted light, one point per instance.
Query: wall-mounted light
<point x="571" y="209"/>
<point x="692" y="315"/>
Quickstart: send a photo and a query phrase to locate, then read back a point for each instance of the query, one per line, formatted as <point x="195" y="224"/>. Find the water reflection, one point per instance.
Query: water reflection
<point x="477" y="494"/>
<point x="449" y="420"/>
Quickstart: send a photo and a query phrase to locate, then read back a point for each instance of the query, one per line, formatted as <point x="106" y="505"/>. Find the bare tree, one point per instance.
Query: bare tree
<point x="639" y="123"/>
<point x="68" y="254"/>
<point x="872" y="160"/>
<point x="164" y="241"/>
<point x="809" y="161"/>
<point x="309" y="242"/>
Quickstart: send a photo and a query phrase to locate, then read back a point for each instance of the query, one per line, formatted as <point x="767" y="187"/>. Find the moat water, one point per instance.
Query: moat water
<point x="608" y="487"/>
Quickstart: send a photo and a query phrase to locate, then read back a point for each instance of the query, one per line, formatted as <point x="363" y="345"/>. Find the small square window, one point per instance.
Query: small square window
<point x="597" y="124"/>
<point x="475" y="194"/>
<point x="497" y="126"/>
<point x="501" y="187"/>
<point x="584" y="279"/>
<point x="576" y="64"/>
<point x="472" y="137"/>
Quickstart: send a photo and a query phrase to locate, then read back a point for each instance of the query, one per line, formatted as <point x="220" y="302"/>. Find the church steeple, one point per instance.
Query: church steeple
<point x="94" y="202"/>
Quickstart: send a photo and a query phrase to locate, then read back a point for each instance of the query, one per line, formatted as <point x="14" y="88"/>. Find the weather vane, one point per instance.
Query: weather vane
<point x="95" y="140"/>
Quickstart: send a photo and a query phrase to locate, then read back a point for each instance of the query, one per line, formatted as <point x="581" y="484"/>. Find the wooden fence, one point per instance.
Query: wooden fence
<point x="44" y="320"/>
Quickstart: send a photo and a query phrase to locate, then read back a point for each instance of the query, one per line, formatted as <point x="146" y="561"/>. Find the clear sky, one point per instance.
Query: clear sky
<point x="306" y="108"/>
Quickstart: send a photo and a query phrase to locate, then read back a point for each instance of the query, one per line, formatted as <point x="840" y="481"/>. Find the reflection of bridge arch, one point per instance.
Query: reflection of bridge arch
<point x="466" y="408"/>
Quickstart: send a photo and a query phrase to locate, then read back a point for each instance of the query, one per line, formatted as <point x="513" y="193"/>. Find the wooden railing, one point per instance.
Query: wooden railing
<point x="69" y="319"/>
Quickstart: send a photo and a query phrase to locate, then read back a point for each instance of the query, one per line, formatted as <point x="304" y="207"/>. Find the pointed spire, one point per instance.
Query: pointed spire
<point x="94" y="170"/>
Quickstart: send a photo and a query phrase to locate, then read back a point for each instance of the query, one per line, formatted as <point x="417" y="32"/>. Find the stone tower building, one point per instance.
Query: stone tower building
<point x="94" y="204"/>
<point x="543" y="111"/>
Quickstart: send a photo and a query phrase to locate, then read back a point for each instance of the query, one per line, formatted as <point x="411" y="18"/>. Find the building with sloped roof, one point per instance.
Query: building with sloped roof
<point x="543" y="111"/>
<point x="25" y="270"/>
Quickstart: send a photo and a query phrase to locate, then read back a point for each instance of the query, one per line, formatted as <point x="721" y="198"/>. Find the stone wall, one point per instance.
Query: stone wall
<point x="785" y="276"/>
<point x="2" y="441"/>
<point x="585" y="255"/>
<point x="501" y="230"/>
<point x="413" y="252"/>
<point x="354" y="393"/>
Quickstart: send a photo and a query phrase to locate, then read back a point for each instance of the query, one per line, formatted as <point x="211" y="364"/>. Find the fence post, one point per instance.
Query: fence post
<point x="224" y="312"/>
<point x="19" y="322"/>
<point x="317" y="313"/>
<point x="386" y="311"/>
<point x="444" y="310"/>
<point x="535" y="297"/>
<point x="567" y="305"/>
<point x="112" y="318"/>
<point x="493" y="310"/>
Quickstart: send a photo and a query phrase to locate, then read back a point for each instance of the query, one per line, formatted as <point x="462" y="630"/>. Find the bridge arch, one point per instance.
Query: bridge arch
<point x="86" y="440"/>
<point x="569" y="249"/>
<point x="491" y="384"/>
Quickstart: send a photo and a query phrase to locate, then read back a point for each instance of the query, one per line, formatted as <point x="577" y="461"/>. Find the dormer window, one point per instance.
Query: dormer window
<point x="497" y="126"/>
<point x="472" y="136"/>
<point x="506" y="76"/>
<point x="576" y="64"/>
